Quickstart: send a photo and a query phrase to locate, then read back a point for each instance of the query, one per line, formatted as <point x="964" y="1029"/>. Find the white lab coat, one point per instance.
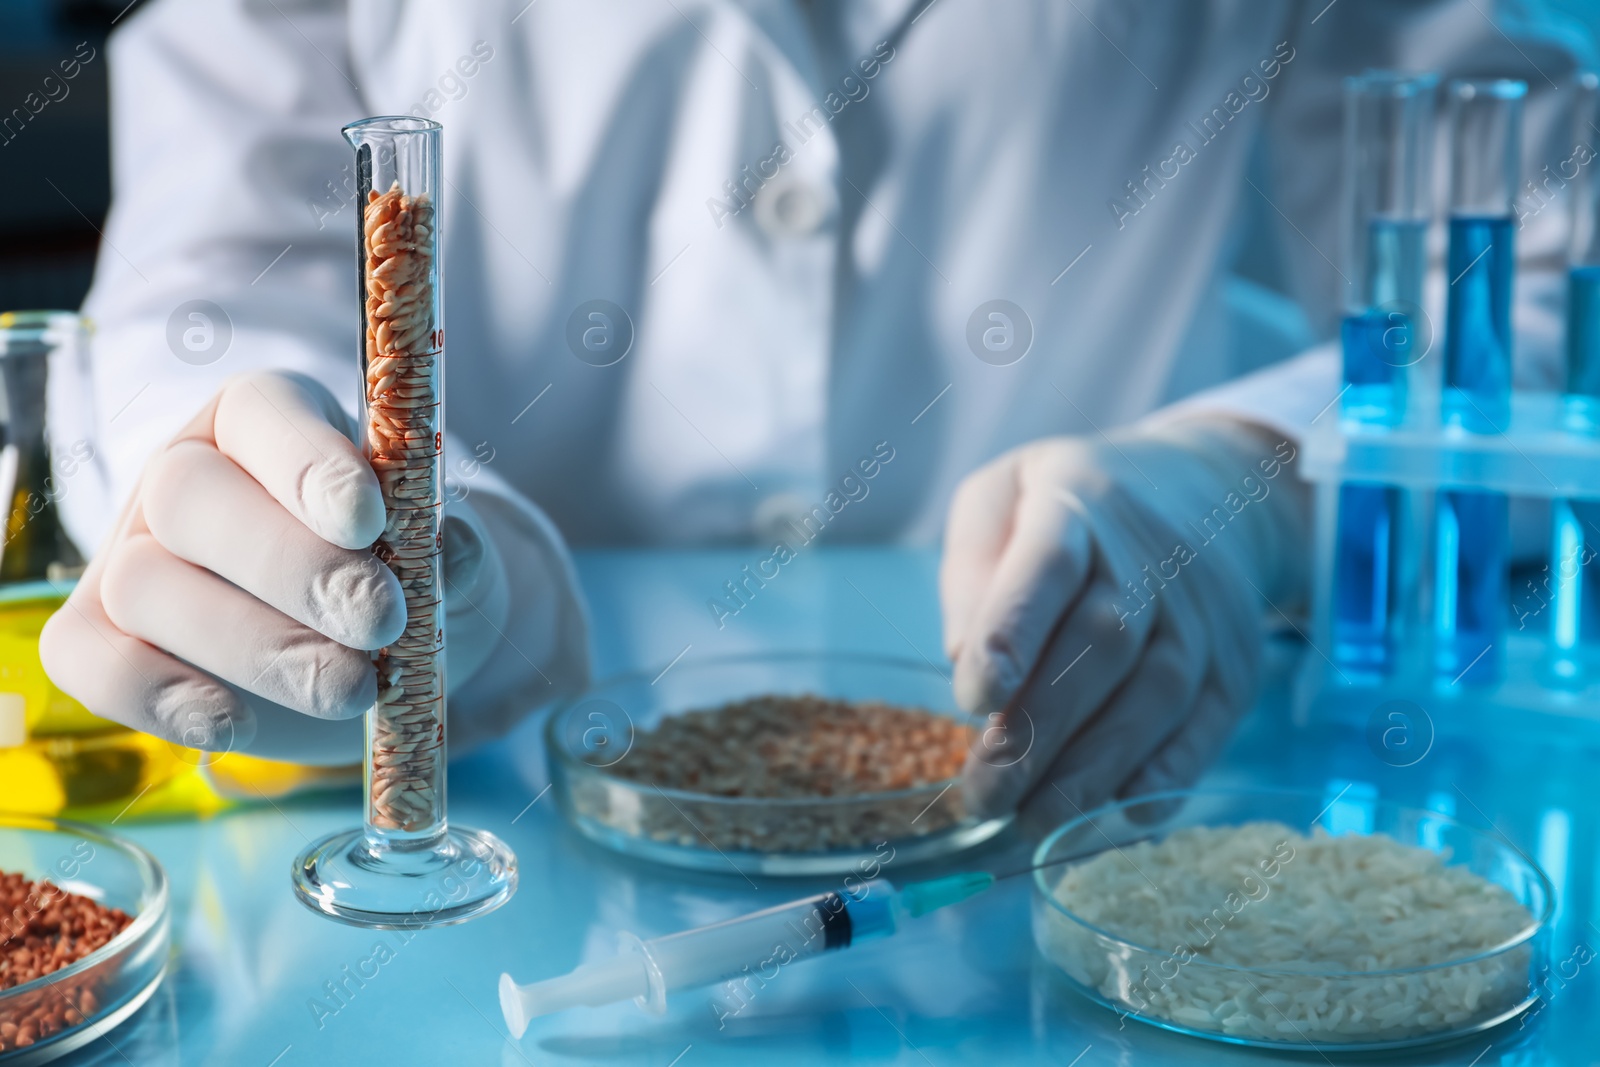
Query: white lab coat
<point x="588" y="151"/>
<point x="976" y="151"/>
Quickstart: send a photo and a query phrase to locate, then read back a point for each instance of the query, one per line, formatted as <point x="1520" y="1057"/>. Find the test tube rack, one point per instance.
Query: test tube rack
<point x="1549" y="451"/>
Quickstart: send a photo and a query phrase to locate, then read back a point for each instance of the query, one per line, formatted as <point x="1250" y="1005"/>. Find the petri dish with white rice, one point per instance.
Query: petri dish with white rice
<point x="1275" y="919"/>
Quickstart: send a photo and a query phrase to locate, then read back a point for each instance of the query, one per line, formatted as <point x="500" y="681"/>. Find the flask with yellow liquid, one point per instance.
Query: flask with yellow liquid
<point x="55" y="756"/>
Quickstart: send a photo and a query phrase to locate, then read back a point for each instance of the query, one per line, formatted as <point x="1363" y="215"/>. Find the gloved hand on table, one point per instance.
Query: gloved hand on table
<point x="232" y="607"/>
<point x="1103" y="605"/>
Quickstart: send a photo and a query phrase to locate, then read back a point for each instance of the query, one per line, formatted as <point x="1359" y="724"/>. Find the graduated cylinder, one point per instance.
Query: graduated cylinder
<point x="402" y="416"/>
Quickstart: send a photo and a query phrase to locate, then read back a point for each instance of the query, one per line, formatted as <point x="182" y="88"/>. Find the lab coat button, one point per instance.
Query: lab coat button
<point x="791" y="208"/>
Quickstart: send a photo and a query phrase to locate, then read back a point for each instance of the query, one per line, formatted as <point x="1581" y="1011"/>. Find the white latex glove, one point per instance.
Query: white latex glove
<point x="232" y="606"/>
<point x="1109" y="633"/>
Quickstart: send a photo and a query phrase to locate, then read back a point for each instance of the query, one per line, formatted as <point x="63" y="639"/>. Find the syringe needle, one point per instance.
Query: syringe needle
<point x="920" y="898"/>
<point x="1082" y="854"/>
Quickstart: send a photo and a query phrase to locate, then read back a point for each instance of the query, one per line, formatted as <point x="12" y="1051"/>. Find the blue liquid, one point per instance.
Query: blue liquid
<point x="1477" y="353"/>
<point x="1569" y="586"/>
<point x="1567" y="590"/>
<point x="1370" y="348"/>
<point x="1471" y="584"/>
<point x="1377" y="348"/>
<point x="1471" y="587"/>
<point x="1583" y="331"/>
<point x="1382" y="340"/>
<point x="1365" y="568"/>
<point x="1379" y="343"/>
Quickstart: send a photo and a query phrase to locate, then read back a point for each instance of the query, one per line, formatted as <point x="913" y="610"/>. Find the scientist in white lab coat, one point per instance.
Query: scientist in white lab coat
<point x="976" y="249"/>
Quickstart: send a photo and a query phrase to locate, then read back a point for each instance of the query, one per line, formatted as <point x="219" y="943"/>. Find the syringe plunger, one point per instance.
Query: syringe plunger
<point x="622" y="977"/>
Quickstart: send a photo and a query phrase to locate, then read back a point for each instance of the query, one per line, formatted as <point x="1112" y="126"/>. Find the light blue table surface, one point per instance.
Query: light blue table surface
<point x="964" y="986"/>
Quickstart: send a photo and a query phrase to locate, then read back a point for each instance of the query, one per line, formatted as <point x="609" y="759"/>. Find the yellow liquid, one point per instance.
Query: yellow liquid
<point x="48" y="709"/>
<point x="91" y="768"/>
<point x="48" y="775"/>
<point x="72" y="758"/>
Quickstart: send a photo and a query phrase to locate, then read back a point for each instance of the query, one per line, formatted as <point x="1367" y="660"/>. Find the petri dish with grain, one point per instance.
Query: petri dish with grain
<point x="83" y="935"/>
<point x="795" y="764"/>
<point x="1294" y="920"/>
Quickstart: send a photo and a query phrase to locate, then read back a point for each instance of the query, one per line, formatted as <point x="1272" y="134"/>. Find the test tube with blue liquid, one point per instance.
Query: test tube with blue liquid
<point x="1574" y="578"/>
<point x="1471" y="584"/>
<point x="1388" y="145"/>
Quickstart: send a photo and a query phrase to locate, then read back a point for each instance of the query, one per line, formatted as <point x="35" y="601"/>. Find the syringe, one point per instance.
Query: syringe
<point x="751" y="947"/>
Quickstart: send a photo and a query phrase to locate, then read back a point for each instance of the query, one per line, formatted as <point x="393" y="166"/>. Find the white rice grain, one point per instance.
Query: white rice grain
<point x="1210" y="902"/>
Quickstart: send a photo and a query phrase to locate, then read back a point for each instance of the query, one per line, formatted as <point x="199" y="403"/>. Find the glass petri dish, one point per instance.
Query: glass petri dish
<point x="1271" y="1006"/>
<point x="775" y="836"/>
<point x="111" y="983"/>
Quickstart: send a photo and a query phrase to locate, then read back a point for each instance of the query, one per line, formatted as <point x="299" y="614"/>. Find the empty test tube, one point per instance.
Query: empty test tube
<point x="1471" y="587"/>
<point x="1388" y="143"/>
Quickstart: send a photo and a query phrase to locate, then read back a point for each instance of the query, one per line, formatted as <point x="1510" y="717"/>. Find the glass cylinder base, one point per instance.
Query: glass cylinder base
<point x="368" y="881"/>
